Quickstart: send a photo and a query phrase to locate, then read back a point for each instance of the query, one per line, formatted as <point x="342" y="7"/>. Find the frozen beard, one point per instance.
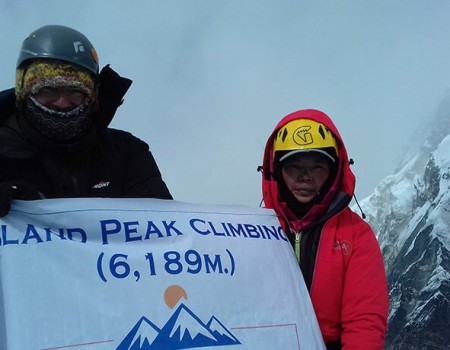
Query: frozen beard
<point x="61" y="126"/>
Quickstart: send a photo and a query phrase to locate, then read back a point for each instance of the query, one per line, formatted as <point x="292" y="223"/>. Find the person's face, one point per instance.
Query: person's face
<point x="304" y="174"/>
<point x="62" y="99"/>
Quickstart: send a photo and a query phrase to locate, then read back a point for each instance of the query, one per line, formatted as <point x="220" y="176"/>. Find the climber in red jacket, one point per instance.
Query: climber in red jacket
<point x="308" y="182"/>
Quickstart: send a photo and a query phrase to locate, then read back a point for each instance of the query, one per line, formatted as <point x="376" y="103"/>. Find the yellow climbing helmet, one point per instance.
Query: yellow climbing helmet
<point x="304" y="135"/>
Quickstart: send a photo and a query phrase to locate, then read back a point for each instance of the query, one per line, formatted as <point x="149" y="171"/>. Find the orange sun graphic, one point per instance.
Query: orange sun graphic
<point x="173" y="294"/>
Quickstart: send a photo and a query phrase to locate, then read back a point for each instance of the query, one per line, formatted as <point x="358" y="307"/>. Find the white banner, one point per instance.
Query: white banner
<point x="140" y="274"/>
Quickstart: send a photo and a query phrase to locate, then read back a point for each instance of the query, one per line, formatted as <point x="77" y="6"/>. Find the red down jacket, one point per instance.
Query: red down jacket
<point x="341" y="259"/>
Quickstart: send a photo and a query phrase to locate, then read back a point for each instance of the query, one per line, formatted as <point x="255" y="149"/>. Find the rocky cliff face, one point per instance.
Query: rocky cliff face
<point x="410" y="212"/>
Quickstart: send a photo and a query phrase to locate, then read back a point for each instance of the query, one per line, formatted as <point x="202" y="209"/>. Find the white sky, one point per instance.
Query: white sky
<point x="213" y="77"/>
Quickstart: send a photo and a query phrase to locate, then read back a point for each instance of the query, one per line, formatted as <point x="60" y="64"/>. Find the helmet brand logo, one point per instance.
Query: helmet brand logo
<point x="78" y="46"/>
<point x="303" y="136"/>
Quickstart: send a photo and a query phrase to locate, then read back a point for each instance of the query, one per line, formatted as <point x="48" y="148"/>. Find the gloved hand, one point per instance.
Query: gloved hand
<point x="19" y="189"/>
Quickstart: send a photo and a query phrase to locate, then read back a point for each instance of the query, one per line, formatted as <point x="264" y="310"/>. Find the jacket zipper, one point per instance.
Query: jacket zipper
<point x="298" y="238"/>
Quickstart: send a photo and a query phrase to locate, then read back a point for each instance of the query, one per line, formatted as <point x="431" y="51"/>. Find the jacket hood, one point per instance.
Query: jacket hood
<point x="340" y="192"/>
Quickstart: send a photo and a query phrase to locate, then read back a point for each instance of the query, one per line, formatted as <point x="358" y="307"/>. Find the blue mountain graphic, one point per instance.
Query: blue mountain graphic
<point x="141" y="336"/>
<point x="184" y="330"/>
<point x="221" y="332"/>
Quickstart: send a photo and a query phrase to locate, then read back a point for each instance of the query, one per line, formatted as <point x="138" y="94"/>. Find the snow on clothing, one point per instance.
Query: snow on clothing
<point x="339" y="255"/>
<point x="104" y="163"/>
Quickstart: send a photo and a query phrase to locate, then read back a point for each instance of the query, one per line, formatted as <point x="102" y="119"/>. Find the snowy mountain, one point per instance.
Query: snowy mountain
<point x="221" y="332"/>
<point x="141" y="336"/>
<point x="185" y="326"/>
<point x="410" y="212"/>
<point x="183" y="330"/>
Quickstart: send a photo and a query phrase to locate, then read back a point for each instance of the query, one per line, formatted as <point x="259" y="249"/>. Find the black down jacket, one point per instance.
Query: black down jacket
<point x="105" y="163"/>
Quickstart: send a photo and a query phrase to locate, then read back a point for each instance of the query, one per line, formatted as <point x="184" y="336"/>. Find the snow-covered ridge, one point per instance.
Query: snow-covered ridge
<point x="410" y="213"/>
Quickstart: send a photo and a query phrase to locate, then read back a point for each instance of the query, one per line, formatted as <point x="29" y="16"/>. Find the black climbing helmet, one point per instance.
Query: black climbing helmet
<point x="60" y="43"/>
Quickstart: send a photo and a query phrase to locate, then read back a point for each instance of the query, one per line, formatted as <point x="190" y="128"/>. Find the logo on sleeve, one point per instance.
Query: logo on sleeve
<point x="344" y="245"/>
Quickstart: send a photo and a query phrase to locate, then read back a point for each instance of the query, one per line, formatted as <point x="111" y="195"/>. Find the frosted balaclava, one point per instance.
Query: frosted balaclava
<point x="61" y="126"/>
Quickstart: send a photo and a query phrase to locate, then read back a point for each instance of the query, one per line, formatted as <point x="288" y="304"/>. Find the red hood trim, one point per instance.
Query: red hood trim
<point x="345" y="179"/>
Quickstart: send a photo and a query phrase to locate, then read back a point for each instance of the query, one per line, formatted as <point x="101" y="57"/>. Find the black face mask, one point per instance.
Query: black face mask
<point x="58" y="126"/>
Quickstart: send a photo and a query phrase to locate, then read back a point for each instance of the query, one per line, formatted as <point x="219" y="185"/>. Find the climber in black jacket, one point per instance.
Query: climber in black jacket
<point x="54" y="135"/>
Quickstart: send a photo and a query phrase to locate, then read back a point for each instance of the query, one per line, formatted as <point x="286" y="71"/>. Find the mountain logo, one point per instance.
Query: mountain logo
<point x="183" y="330"/>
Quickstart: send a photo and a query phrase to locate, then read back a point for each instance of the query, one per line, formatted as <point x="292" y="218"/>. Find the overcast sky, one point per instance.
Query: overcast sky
<point x="213" y="77"/>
